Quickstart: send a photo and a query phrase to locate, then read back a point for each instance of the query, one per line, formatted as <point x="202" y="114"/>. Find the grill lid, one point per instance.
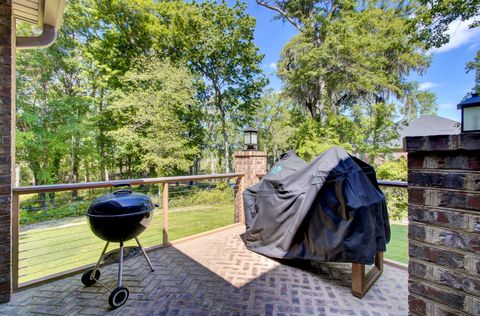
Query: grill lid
<point x="122" y="202"/>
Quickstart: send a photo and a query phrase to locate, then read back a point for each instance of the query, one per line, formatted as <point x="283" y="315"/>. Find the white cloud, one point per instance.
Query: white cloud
<point x="272" y="66"/>
<point x="460" y="35"/>
<point x="428" y="85"/>
<point x="446" y="106"/>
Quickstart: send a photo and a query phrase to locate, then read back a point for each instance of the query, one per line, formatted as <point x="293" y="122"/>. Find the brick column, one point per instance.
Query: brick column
<point x="7" y="110"/>
<point x="251" y="163"/>
<point x="444" y="224"/>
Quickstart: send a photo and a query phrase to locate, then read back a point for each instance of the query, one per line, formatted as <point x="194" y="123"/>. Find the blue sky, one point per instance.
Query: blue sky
<point x="446" y="76"/>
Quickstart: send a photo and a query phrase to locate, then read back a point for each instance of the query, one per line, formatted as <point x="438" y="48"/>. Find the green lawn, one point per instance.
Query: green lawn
<point x="397" y="249"/>
<point x="44" y="251"/>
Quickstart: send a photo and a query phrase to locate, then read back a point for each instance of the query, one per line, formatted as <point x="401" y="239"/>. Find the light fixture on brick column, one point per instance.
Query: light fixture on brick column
<point x="470" y="113"/>
<point x="250" y="138"/>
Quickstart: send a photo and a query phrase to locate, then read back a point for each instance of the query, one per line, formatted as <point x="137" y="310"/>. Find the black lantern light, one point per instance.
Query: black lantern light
<point x="250" y="138"/>
<point x="470" y="114"/>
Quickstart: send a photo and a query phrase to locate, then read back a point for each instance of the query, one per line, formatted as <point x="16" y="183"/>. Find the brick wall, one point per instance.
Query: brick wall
<point x="7" y="100"/>
<point x="251" y="163"/>
<point x="444" y="224"/>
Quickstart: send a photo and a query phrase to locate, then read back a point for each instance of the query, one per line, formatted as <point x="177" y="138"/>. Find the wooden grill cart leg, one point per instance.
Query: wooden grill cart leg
<point x="361" y="283"/>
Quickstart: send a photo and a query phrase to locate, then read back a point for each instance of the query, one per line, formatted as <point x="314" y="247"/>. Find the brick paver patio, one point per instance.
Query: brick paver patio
<point x="216" y="275"/>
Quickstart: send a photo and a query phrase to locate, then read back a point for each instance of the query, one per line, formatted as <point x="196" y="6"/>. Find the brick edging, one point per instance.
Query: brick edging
<point x="465" y="141"/>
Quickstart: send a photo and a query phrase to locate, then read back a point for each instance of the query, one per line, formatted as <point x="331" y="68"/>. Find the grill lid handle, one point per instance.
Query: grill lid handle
<point x="129" y="190"/>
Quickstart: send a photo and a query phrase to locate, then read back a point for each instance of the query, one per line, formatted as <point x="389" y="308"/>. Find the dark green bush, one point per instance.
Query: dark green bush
<point x="71" y="209"/>
<point x="397" y="198"/>
<point x="220" y="194"/>
<point x="397" y="202"/>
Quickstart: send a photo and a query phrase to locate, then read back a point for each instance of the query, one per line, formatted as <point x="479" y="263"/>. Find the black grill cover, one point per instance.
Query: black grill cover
<point x="329" y="210"/>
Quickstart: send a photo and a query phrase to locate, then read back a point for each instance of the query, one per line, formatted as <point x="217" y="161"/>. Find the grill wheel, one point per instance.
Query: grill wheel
<point x="118" y="297"/>
<point x="87" y="279"/>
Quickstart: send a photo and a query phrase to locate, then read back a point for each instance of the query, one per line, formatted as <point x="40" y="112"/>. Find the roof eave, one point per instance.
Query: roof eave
<point x="51" y="17"/>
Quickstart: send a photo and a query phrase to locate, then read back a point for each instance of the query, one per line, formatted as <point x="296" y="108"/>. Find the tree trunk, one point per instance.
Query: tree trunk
<point x="219" y="103"/>
<point x="225" y="142"/>
<point x="51" y="198"/>
<point x="75" y="166"/>
<point x="42" y="197"/>
<point x="212" y="163"/>
<point x="101" y="138"/>
<point x="55" y="176"/>
<point x="42" y="200"/>
<point x="87" y="172"/>
<point x="226" y="153"/>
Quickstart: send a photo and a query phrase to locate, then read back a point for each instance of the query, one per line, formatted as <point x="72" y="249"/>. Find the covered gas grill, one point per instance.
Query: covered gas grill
<point x="328" y="210"/>
<point x="118" y="217"/>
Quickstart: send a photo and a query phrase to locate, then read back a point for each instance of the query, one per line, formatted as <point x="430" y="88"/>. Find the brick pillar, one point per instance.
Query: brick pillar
<point x="251" y="163"/>
<point x="444" y="224"/>
<point x="7" y="110"/>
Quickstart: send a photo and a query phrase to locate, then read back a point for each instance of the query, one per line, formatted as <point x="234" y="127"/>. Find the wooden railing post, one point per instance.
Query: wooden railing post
<point x="15" y="239"/>
<point x="165" y="213"/>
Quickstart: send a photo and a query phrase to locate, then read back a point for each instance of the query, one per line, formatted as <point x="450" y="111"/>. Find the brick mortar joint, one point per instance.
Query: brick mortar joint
<point x="443" y="171"/>
<point x="436" y="246"/>
<point x="441" y="189"/>
<point x="456" y="230"/>
<point x="439" y="286"/>
<point x="449" y="269"/>
<point x="429" y="301"/>
<point x="430" y="208"/>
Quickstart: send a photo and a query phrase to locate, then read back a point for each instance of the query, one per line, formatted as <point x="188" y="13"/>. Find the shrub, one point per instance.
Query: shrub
<point x="71" y="209"/>
<point x="397" y="202"/>
<point x="393" y="170"/>
<point x="397" y="198"/>
<point x="220" y="194"/>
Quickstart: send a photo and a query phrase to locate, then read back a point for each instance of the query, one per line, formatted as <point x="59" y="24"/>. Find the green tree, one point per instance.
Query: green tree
<point x="217" y="44"/>
<point x="348" y="68"/>
<point x="313" y="137"/>
<point x="397" y="198"/>
<point x="376" y="129"/>
<point x="417" y="102"/>
<point x="353" y="55"/>
<point x="85" y="76"/>
<point x="432" y="19"/>
<point x="475" y="66"/>
<point x="150" y="113"/>
<point x="274" y="121"/>
<point x="54" y="126"/>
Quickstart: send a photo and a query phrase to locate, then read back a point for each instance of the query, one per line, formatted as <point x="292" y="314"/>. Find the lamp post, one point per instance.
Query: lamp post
<point x="470" y="114"/>
<point x="250" y="138"/>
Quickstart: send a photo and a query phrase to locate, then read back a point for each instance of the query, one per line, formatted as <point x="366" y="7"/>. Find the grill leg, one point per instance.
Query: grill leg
<point x="120" y="266"/>
<point x="145" y="255"/>
<point x="92" y="276"/>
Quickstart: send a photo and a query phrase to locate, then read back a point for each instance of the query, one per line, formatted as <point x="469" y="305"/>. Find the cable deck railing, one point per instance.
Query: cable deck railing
<point x="45" y="247"/>
<point x="51" y="238"/>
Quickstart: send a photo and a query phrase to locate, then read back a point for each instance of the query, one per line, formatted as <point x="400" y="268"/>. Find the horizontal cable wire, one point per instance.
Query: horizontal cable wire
<point x="178" y="194"/>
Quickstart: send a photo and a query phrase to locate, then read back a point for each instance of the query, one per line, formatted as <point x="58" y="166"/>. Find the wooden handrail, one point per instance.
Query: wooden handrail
<point x="107" y="184"/>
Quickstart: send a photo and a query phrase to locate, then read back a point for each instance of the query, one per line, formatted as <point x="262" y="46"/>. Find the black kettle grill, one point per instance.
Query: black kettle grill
<point x="118" y="217"/>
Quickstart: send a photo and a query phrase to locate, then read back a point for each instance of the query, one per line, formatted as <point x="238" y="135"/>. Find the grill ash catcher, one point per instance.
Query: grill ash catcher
<point x="118" y="217"/>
